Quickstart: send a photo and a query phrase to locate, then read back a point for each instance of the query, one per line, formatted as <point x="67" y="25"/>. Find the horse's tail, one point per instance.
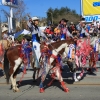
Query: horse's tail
<point x="6" y="67"/>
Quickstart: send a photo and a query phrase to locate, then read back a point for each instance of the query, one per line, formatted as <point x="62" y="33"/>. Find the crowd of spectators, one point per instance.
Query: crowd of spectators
<point x="63" y="30"/>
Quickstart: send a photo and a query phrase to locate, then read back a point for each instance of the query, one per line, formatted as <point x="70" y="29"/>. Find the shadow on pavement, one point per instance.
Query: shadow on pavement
<point x="1" y="73"/>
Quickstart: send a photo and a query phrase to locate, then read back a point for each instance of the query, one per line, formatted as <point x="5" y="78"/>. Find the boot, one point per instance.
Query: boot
<point x="42" y="90"/>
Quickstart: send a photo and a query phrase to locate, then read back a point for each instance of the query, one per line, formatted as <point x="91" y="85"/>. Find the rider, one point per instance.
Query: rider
<point x="36" y="34"/>
<point x="4" y="33"/>
<point x="64" y="30"/>
<point x="83" y="27"/>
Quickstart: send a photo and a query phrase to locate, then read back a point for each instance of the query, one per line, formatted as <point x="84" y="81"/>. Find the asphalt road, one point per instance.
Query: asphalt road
<point x="77" y="92"/>
<point x="86" y="89"/>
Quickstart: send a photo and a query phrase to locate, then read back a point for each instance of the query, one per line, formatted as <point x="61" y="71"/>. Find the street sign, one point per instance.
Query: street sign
<point x="11" y="3"/>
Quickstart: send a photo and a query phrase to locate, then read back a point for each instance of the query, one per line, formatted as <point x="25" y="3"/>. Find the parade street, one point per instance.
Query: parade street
<point x="86" y="89"/>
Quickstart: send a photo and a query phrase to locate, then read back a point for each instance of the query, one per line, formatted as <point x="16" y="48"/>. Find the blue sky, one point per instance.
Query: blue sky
<point x="39" y="7"/>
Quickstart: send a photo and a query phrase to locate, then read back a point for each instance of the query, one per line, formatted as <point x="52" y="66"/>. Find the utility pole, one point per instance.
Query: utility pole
<point x="8" y="16"/>
<point x="11" y="16"/>
<point x="51" y="17"/>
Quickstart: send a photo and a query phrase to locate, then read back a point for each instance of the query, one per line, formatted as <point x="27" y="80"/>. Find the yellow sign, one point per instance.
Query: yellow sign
<point x="90" y="7"/>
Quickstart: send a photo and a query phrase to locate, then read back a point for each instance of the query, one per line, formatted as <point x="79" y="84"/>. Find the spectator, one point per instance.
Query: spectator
<point x="4" y="33"/>
<point x="49" y="31"/>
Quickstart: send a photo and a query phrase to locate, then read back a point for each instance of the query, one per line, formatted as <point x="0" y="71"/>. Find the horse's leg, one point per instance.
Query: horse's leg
<point x="38" y="70"/>
<point x="58" y="74"/>
<point x="53" y="78"/>
<point x="72" y="65"/>
<point x="80" y="75"/>
<point x="16" y="88"/>
<point x="32" y="62"/>
<point x="75" y="77"/>
<point x="90" y="65"/>
<point x="92" y="62"/>
<point x="13" y="73"/>
<point x="34" y="73"/>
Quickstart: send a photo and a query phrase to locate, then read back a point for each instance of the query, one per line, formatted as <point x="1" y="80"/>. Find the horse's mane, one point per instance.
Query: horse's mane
<point x="55" y="45"/>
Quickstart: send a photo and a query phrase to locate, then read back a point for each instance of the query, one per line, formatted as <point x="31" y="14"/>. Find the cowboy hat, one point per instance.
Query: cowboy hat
<point x="83" y="20"/>
<point x="65" y="20"/>
<point x="35" y="18"/>
<point x="4" y="29"/>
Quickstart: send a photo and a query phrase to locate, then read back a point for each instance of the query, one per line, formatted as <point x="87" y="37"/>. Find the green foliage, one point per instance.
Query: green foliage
<point x="63" y="12"/>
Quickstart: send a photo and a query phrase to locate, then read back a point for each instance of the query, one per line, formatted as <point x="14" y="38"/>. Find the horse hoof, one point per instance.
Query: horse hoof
<point x="16" y="90"/>
<point x="41" y="90"/>
<point x="76" y="80"/>
<point x="66" y="90"/>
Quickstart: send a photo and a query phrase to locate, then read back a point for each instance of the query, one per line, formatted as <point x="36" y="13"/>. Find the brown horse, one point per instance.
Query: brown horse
<point x="4" y="45"/>
<point x="15" y="57"/>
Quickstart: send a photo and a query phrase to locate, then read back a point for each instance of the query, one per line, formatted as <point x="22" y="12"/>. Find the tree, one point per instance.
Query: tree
<point x="63" y="12"/>
<point x="19" y="13"/>
<point x="49" y="15"/>
<point x="74" y="12"/>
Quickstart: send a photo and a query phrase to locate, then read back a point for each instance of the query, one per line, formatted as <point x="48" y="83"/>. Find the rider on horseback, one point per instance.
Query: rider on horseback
<point x="65" y="34"/>
<point x="4" y="33"/>
<point x="36" y="34"/>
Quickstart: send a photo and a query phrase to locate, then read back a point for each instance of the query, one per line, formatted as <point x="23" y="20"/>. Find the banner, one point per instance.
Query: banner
<point x="90" y="7"/>
<point x="11" y="3"/>
<point x="91" y="18"/>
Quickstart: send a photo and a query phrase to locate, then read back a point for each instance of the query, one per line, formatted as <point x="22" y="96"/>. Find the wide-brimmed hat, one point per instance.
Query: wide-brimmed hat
<point x="83" y="20"/>
<point x="35" y="18"/>
<point x="4" y="29"/>
<point x="65" y="20"/>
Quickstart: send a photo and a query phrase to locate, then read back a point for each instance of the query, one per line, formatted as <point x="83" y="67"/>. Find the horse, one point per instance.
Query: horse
<point x="49" y="61"/>
<point x="4" y="45"/>
<point x="15" y="58"/>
